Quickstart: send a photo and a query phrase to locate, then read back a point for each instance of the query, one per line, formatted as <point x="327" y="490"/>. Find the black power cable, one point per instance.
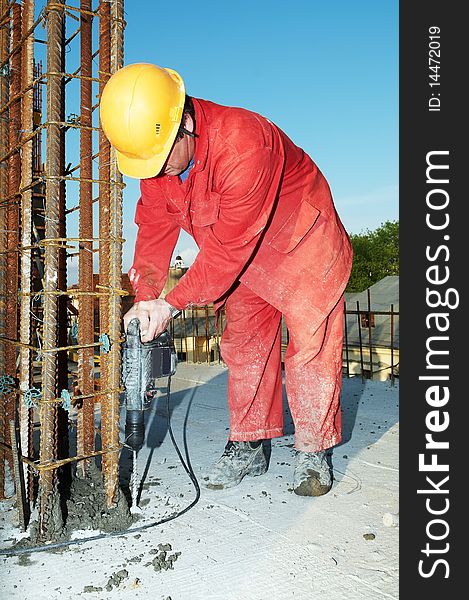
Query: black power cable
<point x="187" y="467"/>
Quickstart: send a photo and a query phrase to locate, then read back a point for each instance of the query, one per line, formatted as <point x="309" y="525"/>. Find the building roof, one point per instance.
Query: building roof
<point x="383" y="293"/>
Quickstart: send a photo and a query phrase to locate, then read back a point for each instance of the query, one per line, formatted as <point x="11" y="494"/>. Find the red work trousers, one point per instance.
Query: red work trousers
<point x="251" y="348"/>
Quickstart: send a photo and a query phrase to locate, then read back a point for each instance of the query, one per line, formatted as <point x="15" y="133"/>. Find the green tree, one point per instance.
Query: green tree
<point x="375" y="255"/>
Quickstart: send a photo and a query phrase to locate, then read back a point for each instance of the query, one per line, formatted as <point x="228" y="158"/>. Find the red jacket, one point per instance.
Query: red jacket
<point x="260" y="211"/>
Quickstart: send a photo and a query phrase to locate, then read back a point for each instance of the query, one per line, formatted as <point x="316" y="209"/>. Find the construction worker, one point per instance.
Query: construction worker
<point x="270" y="244"/>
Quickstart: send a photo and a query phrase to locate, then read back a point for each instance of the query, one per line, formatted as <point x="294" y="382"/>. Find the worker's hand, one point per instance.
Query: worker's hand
<point x="154" y="316"/>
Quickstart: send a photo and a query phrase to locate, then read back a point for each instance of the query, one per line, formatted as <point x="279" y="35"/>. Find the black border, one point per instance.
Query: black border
<point x="422" y="131"/>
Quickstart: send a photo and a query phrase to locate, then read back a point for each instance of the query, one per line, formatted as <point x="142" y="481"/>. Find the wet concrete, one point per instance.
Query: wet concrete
<point x="163" y="561"/>
<point x="53" y="526"/>
<point x="86" y="506"/>
<point x="116" y="579"/>
<point x="158" y="559"/>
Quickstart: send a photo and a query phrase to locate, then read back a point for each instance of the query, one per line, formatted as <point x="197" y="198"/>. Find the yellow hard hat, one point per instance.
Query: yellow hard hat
<point x="140" y="110"/>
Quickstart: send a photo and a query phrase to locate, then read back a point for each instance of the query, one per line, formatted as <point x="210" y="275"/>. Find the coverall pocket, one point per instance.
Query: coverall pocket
<point x="295" y="227"/>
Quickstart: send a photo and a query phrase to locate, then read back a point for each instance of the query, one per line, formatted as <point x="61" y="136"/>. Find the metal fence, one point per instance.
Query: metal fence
<point x="371" y="343"/>
<point x="371" y="339"/>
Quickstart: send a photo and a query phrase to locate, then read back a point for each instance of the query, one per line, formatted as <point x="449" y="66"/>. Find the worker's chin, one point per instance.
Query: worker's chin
<point x="175" y="170"/>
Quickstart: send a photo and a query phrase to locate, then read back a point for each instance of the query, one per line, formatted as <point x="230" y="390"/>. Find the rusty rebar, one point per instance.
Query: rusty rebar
<point x="17" y="46"/>
<point x="48" y="412"/>
<point x="5" y="8"/>
<point x="85" y="430"/>
<point x="108" y="466"/>
<point x="115" y="268"/>
<point x="4" y="96"/>
<point x="13" y="219"/>
<point x="61" y="425"/>
<point x="25" y="371"/>
<point x="37" y="106"/>
<point x="20" y="94"/>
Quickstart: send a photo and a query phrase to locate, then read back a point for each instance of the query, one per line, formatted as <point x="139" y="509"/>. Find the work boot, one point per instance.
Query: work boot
<point x="238" y="459"/>
<point x="312" y="474"/>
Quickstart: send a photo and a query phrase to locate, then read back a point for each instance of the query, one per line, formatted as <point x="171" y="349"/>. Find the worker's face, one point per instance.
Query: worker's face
<point x="181" y="153"/>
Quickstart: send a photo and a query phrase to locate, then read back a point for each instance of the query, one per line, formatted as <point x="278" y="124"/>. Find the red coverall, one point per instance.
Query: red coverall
<point x="271" y="243"/>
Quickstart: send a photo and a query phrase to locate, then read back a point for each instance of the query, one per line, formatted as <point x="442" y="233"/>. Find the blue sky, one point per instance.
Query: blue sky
<point x="325" y="72"/>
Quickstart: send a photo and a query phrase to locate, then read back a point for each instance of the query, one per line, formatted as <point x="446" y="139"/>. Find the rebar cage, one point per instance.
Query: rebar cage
<point x="60" y="249"/>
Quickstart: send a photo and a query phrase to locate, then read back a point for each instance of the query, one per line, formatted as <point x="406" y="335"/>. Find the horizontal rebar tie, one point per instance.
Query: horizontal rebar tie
<point x="64" y="246"/>
<point x="43" y="350"/>
<point x="53" y="465"/>
<point x="77" y="293"/>
<point x="35" y="393"/>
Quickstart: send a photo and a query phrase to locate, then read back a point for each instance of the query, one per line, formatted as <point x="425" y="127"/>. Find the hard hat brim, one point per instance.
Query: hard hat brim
<point x="140" y="168"/>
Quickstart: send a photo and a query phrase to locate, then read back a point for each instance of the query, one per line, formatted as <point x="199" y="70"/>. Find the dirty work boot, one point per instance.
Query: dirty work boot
<point x="238" y="459"/>
<point x="312" y="474"/>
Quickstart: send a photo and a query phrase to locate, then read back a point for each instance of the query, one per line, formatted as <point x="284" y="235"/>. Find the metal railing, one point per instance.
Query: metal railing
<point x="370" y="349"/>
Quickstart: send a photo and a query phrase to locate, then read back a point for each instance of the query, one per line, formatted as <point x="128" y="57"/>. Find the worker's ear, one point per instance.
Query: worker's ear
<point x="188" y="122"/>
<point x="187" y="127"/>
